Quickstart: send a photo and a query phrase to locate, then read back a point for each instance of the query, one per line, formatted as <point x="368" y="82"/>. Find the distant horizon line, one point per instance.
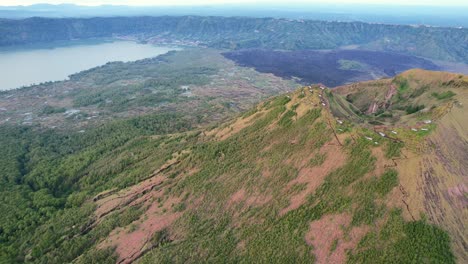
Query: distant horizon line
<point x="244" y="4"/>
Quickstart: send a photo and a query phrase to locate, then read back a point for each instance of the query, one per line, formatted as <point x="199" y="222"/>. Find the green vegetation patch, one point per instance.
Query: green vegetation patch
<point x="351" y="65"/>
<point x="404" y="242"/>
<point x="411" y="109"/>
<point x="386" y="182"/>
<point x="393" y="149"/>
<point x="287" y="119"/>
<point x="367" y="191"/>
<point x="318" y="159"/>
<point x="101" y="256"/>
<point x="48" y="110"/>
<point x="403" y="84"/>
<point x="443" y="95"/>
<point x="420" y="91"/>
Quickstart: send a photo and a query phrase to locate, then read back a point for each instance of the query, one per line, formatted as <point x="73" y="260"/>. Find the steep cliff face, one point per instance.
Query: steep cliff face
<point x="240" y="32"/>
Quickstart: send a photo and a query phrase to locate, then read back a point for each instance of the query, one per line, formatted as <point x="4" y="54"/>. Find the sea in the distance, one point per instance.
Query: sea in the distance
<point x="26" y="67"/>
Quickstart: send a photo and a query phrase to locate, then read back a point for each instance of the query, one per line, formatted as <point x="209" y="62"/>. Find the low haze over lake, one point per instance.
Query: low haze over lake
<point x="33" y="66"/>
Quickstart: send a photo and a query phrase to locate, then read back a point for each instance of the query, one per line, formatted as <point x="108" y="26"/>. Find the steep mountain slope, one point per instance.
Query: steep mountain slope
<point x="435" y="169"/>
<point x="303" y="177"/>
<point x="448" y="44"/>
<point x="290" y="182"/>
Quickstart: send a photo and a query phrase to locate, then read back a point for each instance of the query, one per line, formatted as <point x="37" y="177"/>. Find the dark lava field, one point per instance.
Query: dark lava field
<point x="331" y="68"/>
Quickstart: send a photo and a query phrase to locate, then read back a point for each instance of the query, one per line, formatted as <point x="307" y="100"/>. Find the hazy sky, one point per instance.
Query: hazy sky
<point x="201" y="2"/>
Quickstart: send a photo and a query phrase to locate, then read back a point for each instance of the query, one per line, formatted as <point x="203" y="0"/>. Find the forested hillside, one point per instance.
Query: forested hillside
<point x="449" y="44"/>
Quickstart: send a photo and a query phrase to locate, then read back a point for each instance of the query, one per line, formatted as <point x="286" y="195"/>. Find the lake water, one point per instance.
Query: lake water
<point x="26" y="67"/>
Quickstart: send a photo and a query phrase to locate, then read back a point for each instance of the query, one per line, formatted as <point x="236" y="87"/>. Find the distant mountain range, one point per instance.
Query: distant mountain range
<point x="447" y="44"/>
<point x="388" y="14"/>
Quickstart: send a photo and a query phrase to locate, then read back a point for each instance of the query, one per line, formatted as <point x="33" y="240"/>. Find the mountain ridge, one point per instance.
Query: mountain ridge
<point x="379" y="167"/>
<point x="390" y="14"/>
<point x="240" y="32"/>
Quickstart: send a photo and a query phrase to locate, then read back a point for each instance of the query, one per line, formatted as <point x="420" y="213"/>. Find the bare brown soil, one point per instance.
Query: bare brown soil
<point x="131" y="240"/>
<point x="237" y="197"/>
<point x="123" y="198"/>
<point x="381" y="161"/>
<point x="314" y="176"/>
<point x="333" y="229"/>
<point x="134" y="240"/>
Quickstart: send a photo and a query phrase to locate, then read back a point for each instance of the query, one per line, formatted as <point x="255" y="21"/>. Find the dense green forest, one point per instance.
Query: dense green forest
<point x="240" y="32"/>
<point x="45" y="177"/>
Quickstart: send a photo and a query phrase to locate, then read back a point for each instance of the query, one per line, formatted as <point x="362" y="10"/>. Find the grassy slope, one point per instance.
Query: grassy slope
<point x="285" y="182"/>
<point x="237" y="181"/>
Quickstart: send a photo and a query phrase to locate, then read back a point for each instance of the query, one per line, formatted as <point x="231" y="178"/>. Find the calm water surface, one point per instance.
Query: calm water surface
<point x="33" y="66"/>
